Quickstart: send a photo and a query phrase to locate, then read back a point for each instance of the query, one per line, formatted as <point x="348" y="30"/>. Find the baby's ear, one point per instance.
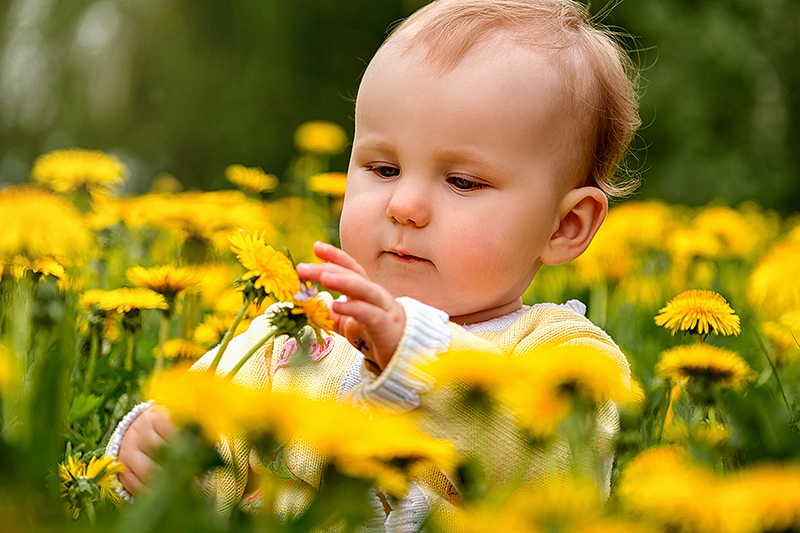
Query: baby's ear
<point x="581" y="212"/>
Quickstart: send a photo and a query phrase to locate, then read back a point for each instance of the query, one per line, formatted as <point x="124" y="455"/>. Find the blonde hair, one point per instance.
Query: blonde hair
<point x="597" y="67"/>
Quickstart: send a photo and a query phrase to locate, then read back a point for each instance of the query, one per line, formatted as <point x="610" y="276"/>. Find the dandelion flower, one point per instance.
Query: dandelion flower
<point x="329" y="183"/>
<point x="166" y="280"/>
<point x="78" y="480"/>
<point x="703" y="361"/>
<point x="37" y="223"/>
<point x="700" y="312"/>
<point x="271" y="270"/>
<point x="774" y="286"/>
<point x="124" y="300"/>
<point x="252" y="180"/>
<point x="317" y="314"/>
<point x="68" y="170"/>
<point x="213" y="328"/>
<point x="320" y="137"/>
<point x="183" y="350"/>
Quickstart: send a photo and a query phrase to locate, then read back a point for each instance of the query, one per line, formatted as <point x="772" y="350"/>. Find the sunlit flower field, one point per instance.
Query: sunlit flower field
<point x="108" y="299"/>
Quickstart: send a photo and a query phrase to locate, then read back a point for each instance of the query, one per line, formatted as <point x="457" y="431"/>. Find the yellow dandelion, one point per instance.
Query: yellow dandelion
<point x="101" y="473"/>
<point x="271" y="270"/>
<point x="763" y="498"/>
<point x="785" y="341"/>
<point x="699" y="312"/>
<point x="166" y="280"/>
<point x="36" y="223"/>
<point x="663" y="485"/>
<point x="213" y="328"/>
<point x="71" y="169"/>
<point x="329" y="183"/>
<point x="704" y="361"/>
<point x="252" y="180"/>
<point x="773" y="286"/>
<point x="317" y="314"/>
<point x="123" y="300"/>
<point x="42" y="266"/>
<point x="320" y="137"/>
<point x="218" y="406"/>
<point x="181" y="349"/>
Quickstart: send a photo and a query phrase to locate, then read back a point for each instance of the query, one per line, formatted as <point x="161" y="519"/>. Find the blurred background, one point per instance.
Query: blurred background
<point x="190" y="87"/>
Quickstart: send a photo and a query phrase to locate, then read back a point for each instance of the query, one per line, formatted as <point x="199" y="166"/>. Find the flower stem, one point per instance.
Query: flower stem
<point x="249" y="354"/>
<point x="663" y="421"/>
<point x="162" y="338"/>
<point x="229" y="334"/>
<point x="772" y="365"/>
<point x="93" y="349"/>
<point x="129" y="353"/>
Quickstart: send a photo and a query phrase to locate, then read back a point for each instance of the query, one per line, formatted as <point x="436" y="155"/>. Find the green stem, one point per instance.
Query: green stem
<point x="663" y="420"/>
<point x="93" y="349"/>
<point x="229" y="335"/>
<point x="129" y="354"/>
<point x="772" y="365"/>
<point x="249" y="354"/>
<point x="162" y="338"/>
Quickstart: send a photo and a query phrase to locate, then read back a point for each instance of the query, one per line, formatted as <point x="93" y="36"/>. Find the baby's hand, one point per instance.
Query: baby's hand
<point x="371" y="318"/>
<point x="144" y="436"/>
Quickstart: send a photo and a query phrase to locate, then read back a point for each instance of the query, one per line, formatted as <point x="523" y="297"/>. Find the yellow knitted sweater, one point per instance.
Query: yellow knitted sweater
<point x="402" y="386"/>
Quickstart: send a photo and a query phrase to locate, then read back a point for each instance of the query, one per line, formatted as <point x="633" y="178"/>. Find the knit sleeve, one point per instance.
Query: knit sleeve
<point x="397" y="388"/>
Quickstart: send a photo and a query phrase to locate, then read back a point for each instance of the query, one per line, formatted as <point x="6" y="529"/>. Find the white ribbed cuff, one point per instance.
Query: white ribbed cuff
<point x="398" y="387"/>
<point x="112" y="449"/>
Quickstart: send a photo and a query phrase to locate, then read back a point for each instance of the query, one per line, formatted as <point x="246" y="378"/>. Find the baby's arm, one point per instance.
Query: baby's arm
<point x="371" y="318"/>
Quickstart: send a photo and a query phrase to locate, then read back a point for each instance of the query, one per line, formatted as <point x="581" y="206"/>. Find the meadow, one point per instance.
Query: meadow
<point x="107" y="299"/>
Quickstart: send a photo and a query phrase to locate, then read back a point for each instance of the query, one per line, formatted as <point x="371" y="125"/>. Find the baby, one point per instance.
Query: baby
<point x="487" y="136"/>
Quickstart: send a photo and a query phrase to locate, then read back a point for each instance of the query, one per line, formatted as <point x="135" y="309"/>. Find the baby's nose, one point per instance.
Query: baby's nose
<point x="409" y="205"/>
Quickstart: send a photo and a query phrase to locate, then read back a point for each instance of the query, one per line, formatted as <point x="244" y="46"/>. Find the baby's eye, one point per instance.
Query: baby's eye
<point x="384" y="171"/>
<point x="464" y="184"/>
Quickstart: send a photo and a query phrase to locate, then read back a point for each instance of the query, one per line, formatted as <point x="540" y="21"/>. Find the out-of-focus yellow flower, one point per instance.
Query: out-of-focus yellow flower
<point x="329" y="183"/>
<point x="785" y="337"/>
<point x="183" y="350"/>
<point x="71" y="169"/>
<point x="75" y="475"/>
<point x="122" y="300"/>
<point x="700" y="312"/>
<point x="320" y="137"/>
<point x="213" y="328"/>
<point x="773" y="286"/>
<point x="230" y="302"/>
<point x="36" y="223"/>
<point x="539" y="386"/>
<point x="738" y="231"/>
<point x="762" y="498"/>
<point x="704" y="361"/>
<point x="218" y="406"/>
<point x="271" y="270"/>
<point x="359" y="444"/>
<point x="166" y="280"/>
<point x="43" y="266"/>
<point x="662" y="485"/>
<point x="205" y="216"/>
<point x="252" y="180"/>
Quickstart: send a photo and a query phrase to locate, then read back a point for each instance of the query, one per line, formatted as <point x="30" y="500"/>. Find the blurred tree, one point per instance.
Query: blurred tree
<point x="191" y="87"/>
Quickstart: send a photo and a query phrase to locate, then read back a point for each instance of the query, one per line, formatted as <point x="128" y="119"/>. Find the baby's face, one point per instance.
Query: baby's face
<point x="455" y="178"/>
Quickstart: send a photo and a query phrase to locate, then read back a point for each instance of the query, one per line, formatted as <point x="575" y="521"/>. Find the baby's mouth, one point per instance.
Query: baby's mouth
<point x="406" y="258"/>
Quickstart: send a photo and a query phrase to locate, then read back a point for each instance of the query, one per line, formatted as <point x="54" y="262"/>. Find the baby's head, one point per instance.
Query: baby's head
<point x="488" y="133"/>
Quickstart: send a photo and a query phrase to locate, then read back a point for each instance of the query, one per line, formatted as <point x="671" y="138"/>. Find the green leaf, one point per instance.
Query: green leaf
<point x="82" y="405"/>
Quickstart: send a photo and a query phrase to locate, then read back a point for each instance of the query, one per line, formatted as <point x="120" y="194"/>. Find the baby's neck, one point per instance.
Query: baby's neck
<point x="488" y="314"/>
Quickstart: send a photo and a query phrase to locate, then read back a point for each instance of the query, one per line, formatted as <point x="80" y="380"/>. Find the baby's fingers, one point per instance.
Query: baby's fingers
<point x="332" y="254"/>
<point x="356" y="287"/>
